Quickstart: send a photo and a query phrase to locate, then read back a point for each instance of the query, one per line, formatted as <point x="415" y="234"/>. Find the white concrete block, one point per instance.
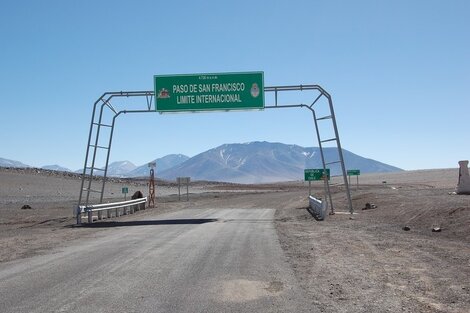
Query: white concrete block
<point x="463" y="187"/>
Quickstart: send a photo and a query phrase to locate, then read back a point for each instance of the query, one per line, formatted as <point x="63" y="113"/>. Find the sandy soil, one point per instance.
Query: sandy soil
<point x="364" y="264"/>
<point x="369" y="263"/>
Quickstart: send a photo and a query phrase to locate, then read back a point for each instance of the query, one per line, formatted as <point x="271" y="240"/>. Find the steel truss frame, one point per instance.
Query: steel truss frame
<point x="97" y="124"/>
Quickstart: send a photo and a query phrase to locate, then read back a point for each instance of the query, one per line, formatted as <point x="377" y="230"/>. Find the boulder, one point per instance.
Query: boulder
<point x="369" y="206"/>
<point x="137" y="195"/>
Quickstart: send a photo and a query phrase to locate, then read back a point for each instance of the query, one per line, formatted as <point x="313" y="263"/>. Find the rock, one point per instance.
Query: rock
<point x="406" y="228"/>
<point x="370" y="206"/>
<point x="137" y="195"/>
<point x="436" y="229"/>
<point x="26" y="207"/>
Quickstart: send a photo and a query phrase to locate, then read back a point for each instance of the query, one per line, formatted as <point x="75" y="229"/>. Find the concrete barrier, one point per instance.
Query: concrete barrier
<point x="317" y="208"/>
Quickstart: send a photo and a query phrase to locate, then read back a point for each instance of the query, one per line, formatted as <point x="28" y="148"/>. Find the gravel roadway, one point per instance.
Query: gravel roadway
<point x="192" y="260"/>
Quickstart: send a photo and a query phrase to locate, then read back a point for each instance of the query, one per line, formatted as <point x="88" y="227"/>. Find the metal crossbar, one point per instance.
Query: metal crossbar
<point x="104" y="125"/>
<point x="328" y="140"/>
<point x="324" y="118"/>
<point x="92" y="190"/>
<point x="101" y="147"/>
<point x="334" y="162"/>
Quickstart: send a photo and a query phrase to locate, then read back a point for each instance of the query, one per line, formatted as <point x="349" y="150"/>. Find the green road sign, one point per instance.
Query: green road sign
<point x="183" y="180"/>
<point x="209" y="92"/>
<point x="125" y="190"/>
<point x="354" y="172"/>
<point x="315" y="174"/>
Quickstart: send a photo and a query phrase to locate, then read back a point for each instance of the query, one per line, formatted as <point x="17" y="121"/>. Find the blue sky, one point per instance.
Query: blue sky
<point x="398" y="72"/>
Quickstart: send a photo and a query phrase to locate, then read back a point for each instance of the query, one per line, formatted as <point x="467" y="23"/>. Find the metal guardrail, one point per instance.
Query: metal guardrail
<point x="128" y="207"/>
<point x="317" y="208"/>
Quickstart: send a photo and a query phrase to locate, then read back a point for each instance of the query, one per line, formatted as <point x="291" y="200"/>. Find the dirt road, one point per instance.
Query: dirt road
<point x="193" y="260"/>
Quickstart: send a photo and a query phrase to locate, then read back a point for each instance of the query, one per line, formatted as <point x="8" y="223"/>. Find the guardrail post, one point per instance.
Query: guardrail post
<point x="131" y="209"/>
<point x="100" y="215"/>
<point x="108" y="213"/>
<point x="90" y="217"/>
<point x="78" y="214"/>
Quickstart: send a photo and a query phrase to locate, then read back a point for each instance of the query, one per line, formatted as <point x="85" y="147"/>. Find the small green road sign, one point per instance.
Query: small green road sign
<point x="125" y="190"/>
<point x="354" y="172"/>
<point x="315" y="174"/>
<point x="209" y="92"/>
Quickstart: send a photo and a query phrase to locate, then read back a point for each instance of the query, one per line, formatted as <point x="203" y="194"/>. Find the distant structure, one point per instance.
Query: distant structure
<point x="463" y="187"/>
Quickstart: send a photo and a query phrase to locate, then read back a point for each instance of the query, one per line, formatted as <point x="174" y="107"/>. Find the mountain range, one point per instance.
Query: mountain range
<point x="264" y="162"/>
<point x="56" y="167"/>
<point x="11" y="163"/>
<point x="254" y="162"/>
<point x="163" y="164"/>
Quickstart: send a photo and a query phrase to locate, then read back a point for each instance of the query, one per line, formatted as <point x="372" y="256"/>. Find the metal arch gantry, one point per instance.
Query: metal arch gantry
<point x="98" y="123"/>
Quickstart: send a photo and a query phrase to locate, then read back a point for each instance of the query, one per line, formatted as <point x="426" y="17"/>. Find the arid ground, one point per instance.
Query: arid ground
<point x="365" y="262"/>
